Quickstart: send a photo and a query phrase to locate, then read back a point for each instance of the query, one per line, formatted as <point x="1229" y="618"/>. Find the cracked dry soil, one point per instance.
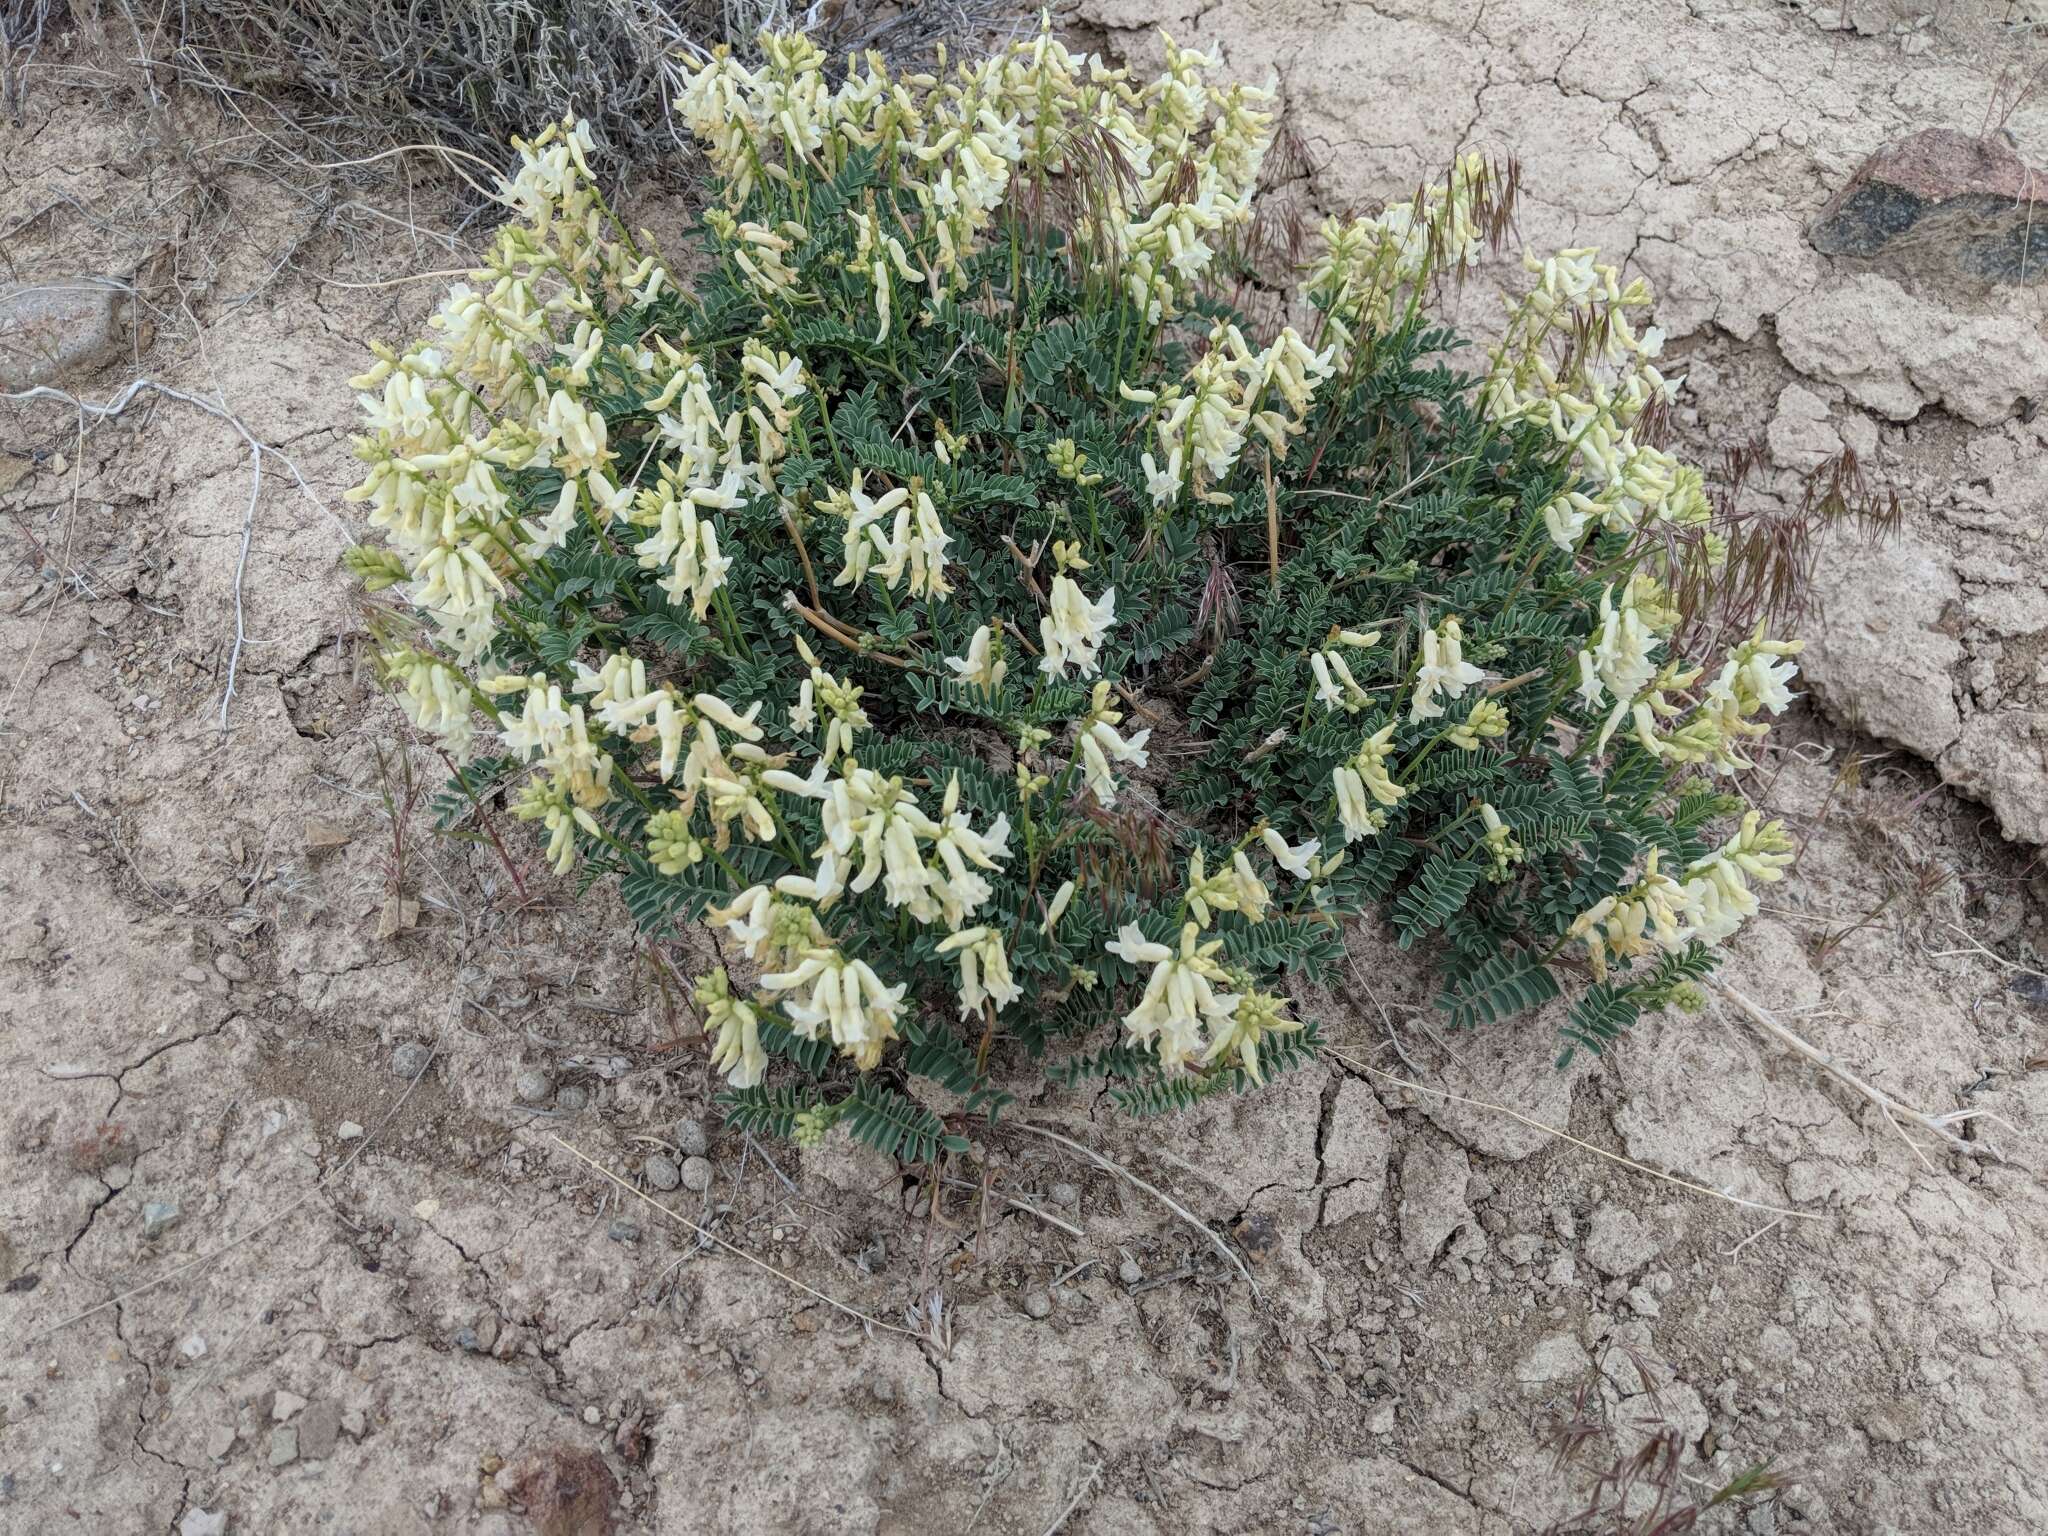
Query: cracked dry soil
<point x="384" y="1306"/>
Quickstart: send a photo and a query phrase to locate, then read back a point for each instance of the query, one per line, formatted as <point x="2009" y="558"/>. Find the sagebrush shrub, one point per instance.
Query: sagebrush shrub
<point x="1001" y="641"/>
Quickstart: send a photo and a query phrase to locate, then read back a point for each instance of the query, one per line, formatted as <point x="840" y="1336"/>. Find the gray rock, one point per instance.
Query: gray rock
<point x="1882" y="655"/>
<point x="203" y="1522"/>
<point x="284" y="1405"/>
<point x="533" y="1087"/>
<point x="1800" y="435"/>
<point x="661" y="1171"/>
<point x="690" y="1138"/>
<point x="1065" y="1195"/>
<point x="1037" y="1304"/>
<point x="59" y="331"/>
<point x="1617" y="1243"/>
<point x="219" y="1441"/>
<point x="1355" y="1156"/>
<point x="1130" y="1272"/>
<point x="1433" y="1179"/>
<point x="284" y="1445"/>
<point x="1898" y="352"/>
<point x="319" y="1431"/>
<point x="1560" y="1357"/>
<point x="623" y="1231"/>
<point x="158" y="1217"/>
<point x="696" y="1174"/>
<point x="232" y="966"/>
<point x="573" y="1099"/>
<point x="409" y="1060"/>
<point x="348" y="1130"/>
<point x="1993" y="762"/>
<point x="1942" y="205"/>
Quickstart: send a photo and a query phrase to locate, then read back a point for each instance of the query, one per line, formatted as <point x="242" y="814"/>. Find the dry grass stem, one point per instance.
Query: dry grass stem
<point x="1153" y="1190"/>
<point x="1585" y="1146"/>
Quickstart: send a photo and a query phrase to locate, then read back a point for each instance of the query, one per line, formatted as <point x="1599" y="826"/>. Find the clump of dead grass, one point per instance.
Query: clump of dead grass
<point x="322" y="77"/>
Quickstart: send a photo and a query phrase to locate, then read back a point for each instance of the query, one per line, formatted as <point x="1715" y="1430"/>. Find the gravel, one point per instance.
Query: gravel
<point x="319" y="1431"/>
<point x="572" y="1099"/>
<point x="284" y="1445"/>
<point x="158" y="1217"/>
<point x="410" y="1059"/>
<point x="624" y="1232"/>
<point x="1038" y="1304"/>
<point x="696" y="1174"/>
<point x="1066" y="1195"/>
<point x="1130" y="1272"/>
<point x="662" y="1172"/>
<point x="690" y="1138"/>
<point x="533" y="1087"/>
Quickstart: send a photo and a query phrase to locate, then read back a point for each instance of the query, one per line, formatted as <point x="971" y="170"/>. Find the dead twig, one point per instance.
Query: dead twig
<point x="1585" y="1146"/>
<point x="1153" y="1190"/>
<point x="706" y="1235"/>
<point x="1940" y="1126"/>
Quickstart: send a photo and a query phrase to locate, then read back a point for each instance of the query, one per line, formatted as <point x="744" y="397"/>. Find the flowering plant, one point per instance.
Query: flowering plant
<point x="997" y="638"/>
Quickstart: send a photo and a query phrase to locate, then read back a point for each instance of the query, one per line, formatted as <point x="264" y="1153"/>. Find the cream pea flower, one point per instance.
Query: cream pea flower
<point x="1294" y="860"/>
<point x="983" y="666"/>
<point x="1057" y="907"/>
<point x="829" y="993"/>
<point x="984" y="970"/>
<point x="737" y="1052"/>
<point x="1256" y="1015"/>
<point x="1101" y="746"/>
<point x="1180" y="1005"/>
<point x="1335" y="685"/>
<point x="1072" y="632"/>
<point x="1365" y="773"/>
<point x="1443" y="670"/>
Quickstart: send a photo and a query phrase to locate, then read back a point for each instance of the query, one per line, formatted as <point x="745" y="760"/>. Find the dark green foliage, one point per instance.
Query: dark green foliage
<point x="1400" y="507"/>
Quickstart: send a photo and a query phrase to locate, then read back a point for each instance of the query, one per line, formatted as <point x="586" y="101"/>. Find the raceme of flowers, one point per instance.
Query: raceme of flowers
<point x="823" y="598"/>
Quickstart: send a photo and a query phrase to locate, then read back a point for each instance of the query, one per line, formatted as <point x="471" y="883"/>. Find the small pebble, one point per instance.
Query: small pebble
<point x="1066" y="1195"/>
<point x="193" y="974"/>
<point x="573" y="1099"/>
<point x="662" y="1172"/>
<point x="467" y="1341"/>
<point x="348" y="1130"/>
<point x="1037" y="1304"/>
<point x="203" y="1522"/>
<point x="192" y="1347"/>
<point x="158" y="1217"/>
<point x="591" y="1415"/>
<point x="284" y="1445"/>
<point x="410" y="1059"/>
<point x="690" y="1138"/>
<point x="624" y="1232"/>
<point x="284" y="1405"/>
<point x="696" y="1174"/>
<point x="232" y="966"/>
<point x="1130" y="1272"/>
<point x="533" y="1087"/>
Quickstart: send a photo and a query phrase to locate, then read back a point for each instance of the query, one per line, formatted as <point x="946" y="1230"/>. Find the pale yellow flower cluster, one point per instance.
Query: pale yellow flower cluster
<point x="1712" y="901"/>
<point x="1231" y="390"/>
<point x="1578" y="312"/>
<point x="955" y="142"/>
<point x="1366" y="262"/>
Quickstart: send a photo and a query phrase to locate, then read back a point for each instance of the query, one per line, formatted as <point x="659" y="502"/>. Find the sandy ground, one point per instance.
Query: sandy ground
<point x="264" y="1273"/>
